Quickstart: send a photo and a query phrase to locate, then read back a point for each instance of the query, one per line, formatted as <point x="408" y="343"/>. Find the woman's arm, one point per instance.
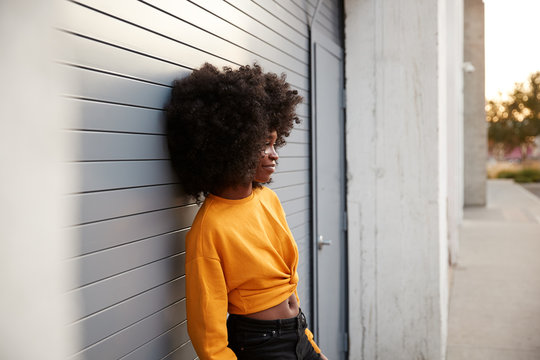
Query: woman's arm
<point x="206" y="305"/>
<point x="309" y="334"/>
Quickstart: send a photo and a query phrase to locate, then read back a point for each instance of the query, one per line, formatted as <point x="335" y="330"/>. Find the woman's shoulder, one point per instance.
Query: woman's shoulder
<point x="269" y="197"/>
<point x="206" y="233"/>
<point x="267" y="193"/>
<point x="208" y="216"/>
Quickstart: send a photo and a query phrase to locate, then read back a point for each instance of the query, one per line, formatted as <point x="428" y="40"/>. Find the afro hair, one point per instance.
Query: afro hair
<point x="218" y="123"/>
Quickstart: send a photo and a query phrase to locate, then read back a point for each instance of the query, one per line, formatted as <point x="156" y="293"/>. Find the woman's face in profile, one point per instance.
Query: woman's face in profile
<point x="267" y="162"/>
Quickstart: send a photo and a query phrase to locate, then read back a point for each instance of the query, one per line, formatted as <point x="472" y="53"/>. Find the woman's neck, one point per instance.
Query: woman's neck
<point x="235" y="192"/>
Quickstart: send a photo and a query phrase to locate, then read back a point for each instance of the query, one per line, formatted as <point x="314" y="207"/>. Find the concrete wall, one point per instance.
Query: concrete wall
<point x="396" y="58"/>
<point x="34" y="277"/>
<point x="454" y="93"/>
<point x="475" y="155"/>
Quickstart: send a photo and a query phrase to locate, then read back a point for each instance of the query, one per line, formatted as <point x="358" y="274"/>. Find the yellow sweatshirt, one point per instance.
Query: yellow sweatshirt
<point x="241" y="258"/>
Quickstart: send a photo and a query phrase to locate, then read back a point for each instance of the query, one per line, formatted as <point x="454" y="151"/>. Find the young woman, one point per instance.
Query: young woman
<point x="241" y="259"/>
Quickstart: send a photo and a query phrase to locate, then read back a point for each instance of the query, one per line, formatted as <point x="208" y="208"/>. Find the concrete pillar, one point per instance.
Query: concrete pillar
<point x="397" y="161"/>
<point x="33" y="213"/>
<point x="454" y="39"/>
<point x="475" y="128"/>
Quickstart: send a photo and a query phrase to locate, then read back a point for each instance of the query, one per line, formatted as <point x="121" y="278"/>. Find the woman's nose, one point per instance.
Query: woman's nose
<point x="272" y="154"/>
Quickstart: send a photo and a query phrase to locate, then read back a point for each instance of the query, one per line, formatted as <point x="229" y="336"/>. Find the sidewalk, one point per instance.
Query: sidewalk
<point x="495" y="295"/>
<point x="533" y="187"/>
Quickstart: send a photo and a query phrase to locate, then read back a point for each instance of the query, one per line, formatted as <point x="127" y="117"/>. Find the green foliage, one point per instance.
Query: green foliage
<point x="522" y="179"/>
<point x="507" y="174"/>
<point x="533" y="174"/>
<point x="515" y="121"/>
<point x="526" y="175"/>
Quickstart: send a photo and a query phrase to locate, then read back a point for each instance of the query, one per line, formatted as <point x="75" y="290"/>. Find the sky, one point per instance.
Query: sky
<point x="511" y="43"/>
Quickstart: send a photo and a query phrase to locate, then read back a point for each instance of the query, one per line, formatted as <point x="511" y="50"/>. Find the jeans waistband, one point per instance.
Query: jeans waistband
<point x="245" y="323"/>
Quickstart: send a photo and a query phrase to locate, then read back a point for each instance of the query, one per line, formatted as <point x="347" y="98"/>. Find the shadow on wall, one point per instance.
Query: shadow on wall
<point x="132" y="220"/>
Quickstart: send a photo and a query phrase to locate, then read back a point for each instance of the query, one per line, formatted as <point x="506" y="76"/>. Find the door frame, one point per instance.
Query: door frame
<point x="318" y="38"/>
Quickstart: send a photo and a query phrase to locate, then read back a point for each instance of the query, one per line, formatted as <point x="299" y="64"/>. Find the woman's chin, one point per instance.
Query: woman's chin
<point x="263" y="181"/>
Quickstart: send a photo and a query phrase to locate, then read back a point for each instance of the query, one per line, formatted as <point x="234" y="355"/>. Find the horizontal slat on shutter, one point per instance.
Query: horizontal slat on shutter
<point x="293" y="150"/>
<point x="283" y="178"/>
<point x="114" y="290"/>
<point x="198" y="16"/>
<point x="182" y="352"/>
<point x="298" y="136"/>
<point x="292" y="163"/>
<point x="282" y="22"/>
<point x="107" y="323"/>
<point x="160" y="346"/>
<point x="157" y="22"/>
<point x="282" y="15"/>
<point x="96" y="176"/>
<point x="117" y="203"/>
<point x="109" y="262"/>
<point x="309" y="8"/>
<point x="245" y="22"/>
<point x="327" y="19"/>
<point x="118" y="118"/>
<point x="100" y="55"/>
<point x="297" y="205"/>
<point x="100" y="26"/>
<point x="294" y="9"/>
<point x="300" y="234"/>
<point x="96" y="85"/>
<point x="114" y="232"/>
<point x="141" y="332"/>
<point x="118" y="146"/>
<point x="297" y="219"/>
<point x="292" y="192"/>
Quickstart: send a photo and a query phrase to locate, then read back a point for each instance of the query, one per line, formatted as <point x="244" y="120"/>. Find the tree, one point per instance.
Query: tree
<point x="501" y="135"/>
<point x="515" y="121"/>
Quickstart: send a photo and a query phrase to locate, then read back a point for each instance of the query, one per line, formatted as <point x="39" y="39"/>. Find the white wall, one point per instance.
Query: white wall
<point x="33" y="247"/>
<point x="397" y="150"/>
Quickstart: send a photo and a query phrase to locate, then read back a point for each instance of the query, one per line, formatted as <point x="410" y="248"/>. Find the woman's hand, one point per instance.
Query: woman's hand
<point x="323" y="357"/>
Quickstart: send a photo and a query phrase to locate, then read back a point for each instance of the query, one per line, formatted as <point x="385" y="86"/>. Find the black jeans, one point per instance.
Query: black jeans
<point x="283" y="339"/>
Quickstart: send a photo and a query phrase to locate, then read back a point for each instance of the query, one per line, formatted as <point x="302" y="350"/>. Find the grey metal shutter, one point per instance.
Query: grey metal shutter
<point x="121" y="57"/>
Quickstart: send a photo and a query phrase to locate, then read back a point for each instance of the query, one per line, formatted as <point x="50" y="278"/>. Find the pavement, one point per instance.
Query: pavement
<point x="533" y="187"/>
<point x="494" y="309"/>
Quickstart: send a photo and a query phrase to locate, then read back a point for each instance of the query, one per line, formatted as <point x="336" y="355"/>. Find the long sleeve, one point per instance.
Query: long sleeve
<point x="309" y="335"/>
<point x="206" y="305"/>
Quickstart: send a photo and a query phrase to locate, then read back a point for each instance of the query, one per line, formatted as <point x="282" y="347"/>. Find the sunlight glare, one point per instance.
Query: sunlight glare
<point x="510" y="25"/>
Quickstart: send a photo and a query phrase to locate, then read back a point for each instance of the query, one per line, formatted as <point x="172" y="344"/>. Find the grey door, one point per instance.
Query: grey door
<point x="330" y="259"/>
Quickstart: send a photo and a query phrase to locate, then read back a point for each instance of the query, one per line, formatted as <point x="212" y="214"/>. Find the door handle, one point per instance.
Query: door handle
<point x="321" y="242"/>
